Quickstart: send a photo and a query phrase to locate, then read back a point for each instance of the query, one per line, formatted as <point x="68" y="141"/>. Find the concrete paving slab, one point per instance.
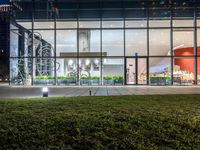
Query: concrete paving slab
<point x="69" y="91"/>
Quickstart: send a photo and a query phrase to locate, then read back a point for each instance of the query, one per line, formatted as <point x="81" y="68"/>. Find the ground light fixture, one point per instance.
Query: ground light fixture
<point x="45" y="92"/>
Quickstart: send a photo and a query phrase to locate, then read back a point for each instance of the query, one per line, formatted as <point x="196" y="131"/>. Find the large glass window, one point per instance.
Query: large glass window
<point x="159" y="71"/>
<point x="89" y="71"/>
<point x="159" y="42"/>
<point x="66" y="42"/>
<point x="183" y="42"/>
<point x="183" y="72"/>
<point x="43" y="43"/>
<point x="89" y="42"/>
<point x="66" y="71"/>
<point x="20" y="71"/>
<point x="44" y="71"/>
<point x="136" y="42"/>
<point x="113" y="42"/>
<point x="113" y="71"/>
<point x="20" y="43"/>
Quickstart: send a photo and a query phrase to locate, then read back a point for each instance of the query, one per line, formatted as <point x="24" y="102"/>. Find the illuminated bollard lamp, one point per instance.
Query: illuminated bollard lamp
<point x="45" y="92"/>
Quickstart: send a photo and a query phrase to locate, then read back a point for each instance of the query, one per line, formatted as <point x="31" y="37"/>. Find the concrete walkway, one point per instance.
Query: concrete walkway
<point x="35" y="91"/>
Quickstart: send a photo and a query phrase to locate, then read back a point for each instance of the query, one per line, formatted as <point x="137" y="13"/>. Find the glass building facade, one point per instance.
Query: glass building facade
<point x="104" y="43"/>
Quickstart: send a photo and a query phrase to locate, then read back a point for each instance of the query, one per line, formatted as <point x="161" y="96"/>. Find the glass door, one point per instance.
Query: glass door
<point x="136" y="70"/>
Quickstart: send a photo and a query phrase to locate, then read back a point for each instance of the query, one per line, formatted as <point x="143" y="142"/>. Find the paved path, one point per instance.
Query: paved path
<point x="26" y="92"/>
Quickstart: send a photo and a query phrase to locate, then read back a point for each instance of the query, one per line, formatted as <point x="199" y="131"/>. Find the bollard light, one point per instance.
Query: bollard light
<point x="45" y="91"/>
<point x="90" y="93"/>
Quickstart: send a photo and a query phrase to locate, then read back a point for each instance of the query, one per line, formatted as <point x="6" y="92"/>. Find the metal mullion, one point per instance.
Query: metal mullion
<point x="55" y="49"/>
<point x="78" y="70"/>
<point x="124" y="28"/>
<point x="195" y="49"/>
<point x="171" y="46"/>
<point x="101" y="51"/>
<point x="32" y="38"/>
<point x="147" y="11"/>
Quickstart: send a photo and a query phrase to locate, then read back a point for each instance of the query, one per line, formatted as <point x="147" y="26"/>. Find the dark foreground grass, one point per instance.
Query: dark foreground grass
<point x="118" y="122"/>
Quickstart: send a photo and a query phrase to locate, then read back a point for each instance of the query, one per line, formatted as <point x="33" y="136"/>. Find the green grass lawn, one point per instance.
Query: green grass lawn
<point x="114" y="122"/>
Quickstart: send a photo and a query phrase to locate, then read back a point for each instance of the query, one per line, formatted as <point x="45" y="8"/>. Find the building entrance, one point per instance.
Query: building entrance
<point x="136" y="71"/>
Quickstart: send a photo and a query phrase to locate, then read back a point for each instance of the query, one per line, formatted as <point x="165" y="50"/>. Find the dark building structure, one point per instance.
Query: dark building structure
<point x="4" y="41"/>
<point x="104" y="42"/>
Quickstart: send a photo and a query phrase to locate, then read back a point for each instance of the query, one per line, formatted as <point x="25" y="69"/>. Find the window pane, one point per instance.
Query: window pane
<point x="183" y="42"/>
<point x="183" y="23"/>
<point x="198" y="42"/>
<point x="89" y="24"/>
<point x="159" y="42"/>
<point x="183" y="71"/>
<point x="25" y="25"/>
<point x="66" y="71"/>
<point x="112" y="24"/>
<point x="198" y="70"/>
<point x="113" y="71"/>
<point x="136" y="42"/>
<point x="159" y="71"/>
<point x="89" y="43"/>
<point x="113" y="42"/>
<point x="66" y="43"/>
<point x="43" y="43"/>
<point x="89" y="71"/>
<point x="44" y="25"/>
<point x="20" y="43"/>
<point x="65" y="25"/>
<point x="43" y="71"/>
<point x="135" y="23"/>
<point x="159" y="23"/>
<point x="20" y="71"/>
